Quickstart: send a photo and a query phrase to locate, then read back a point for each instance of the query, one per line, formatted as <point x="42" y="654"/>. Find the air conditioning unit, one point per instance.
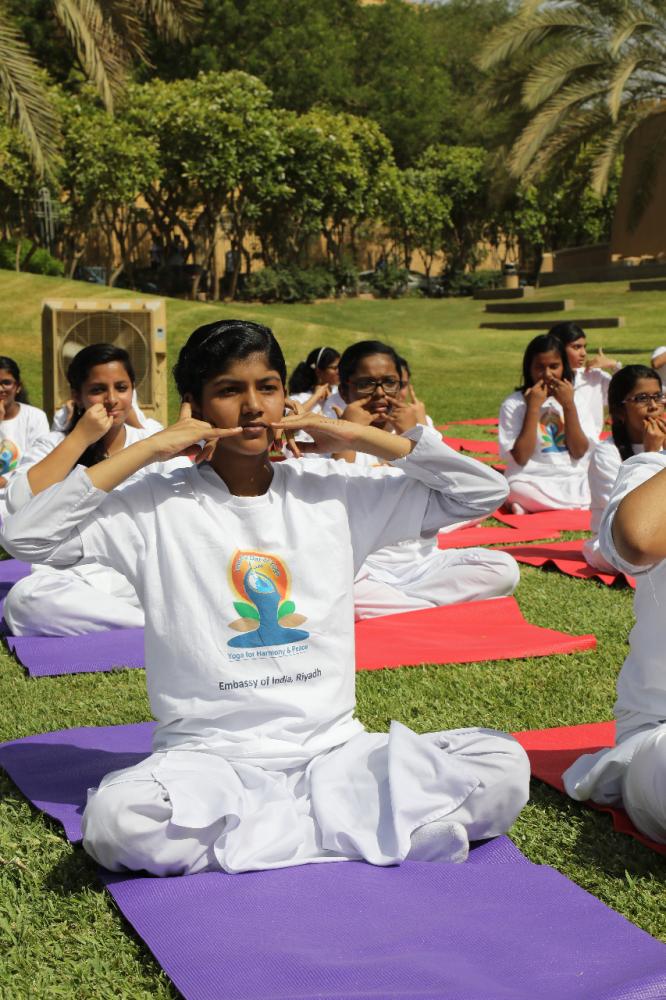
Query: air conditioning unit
<point x="139" y="327"/>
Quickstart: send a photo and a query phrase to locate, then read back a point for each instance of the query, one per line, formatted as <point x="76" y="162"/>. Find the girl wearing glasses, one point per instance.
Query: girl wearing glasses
<point x="244" y="570"/>
<point x="91" y="597"/>
<point x="633" y="539"/>
<point x="636" y="404"/>
<point x="413" y="574"/>
<point x="541" y="435"/>
<point x="20" y="423"/>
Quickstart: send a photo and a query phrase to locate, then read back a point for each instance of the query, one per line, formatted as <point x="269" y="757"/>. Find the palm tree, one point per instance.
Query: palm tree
<point x="107" y="36"/>
<point x="590" y="73"/>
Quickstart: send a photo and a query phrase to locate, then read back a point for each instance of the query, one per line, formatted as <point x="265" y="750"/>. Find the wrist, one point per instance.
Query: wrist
<point x="82" y="439"/>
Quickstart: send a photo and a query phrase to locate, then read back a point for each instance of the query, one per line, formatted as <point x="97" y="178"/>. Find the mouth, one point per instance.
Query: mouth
<point x="254" y="430"/>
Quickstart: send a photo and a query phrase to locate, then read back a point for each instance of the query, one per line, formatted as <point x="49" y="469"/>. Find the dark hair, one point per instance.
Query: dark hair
<point x="210" y="349"/>
<point x="304" y="376"/>
<point x="622" y="383"/>
<point x="77" y="373"/>
<point x="9" y="365"/>
<point x="352" y="357"/>
<point x="404" y="364"/>
<point x="542" y="344"/>
<point x="567" y="332"/>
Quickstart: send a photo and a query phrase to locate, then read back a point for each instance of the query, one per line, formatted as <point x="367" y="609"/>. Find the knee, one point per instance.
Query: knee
<point x="644" y="786"/>
<point x="119" y="824"/>
<point x="21" y="607"/>
<point x="506" y="572"/>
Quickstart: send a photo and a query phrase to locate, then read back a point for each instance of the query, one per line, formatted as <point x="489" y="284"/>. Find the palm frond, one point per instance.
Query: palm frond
<point x="549" y="118"/>
<point x="96" y="46"/>
<point x="527" y="29"/>
<point x="618" y="82"/>
<point x="628" y="25"/>
<point x="173" y="19"/>
<point x="26" y="99"/>
<point x="549" y="75"/>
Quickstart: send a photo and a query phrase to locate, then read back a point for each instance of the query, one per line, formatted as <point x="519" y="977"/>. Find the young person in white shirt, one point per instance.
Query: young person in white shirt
<point x="88" y="597"/>
<point x="245" y="572"/>
<point x="591" y="375"/>
<point x="541" y="436"/>
<point x="636" y="403"/>
<point x="633" y="539"/>
<point x="414" y="574"/>
<point x="314" y="380"/>
<point x="20" y="423"/>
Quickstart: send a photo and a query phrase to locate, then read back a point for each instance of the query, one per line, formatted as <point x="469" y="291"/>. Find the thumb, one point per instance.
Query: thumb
<point x="185" y="410"/>
<point x="338" y="412"/>
<point x="412" y="394"/>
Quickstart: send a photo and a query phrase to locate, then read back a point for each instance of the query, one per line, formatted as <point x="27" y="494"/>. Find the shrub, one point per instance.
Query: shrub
<point x="389" y="282"/>
<point x="41" y="262"/>
<point x="289" y="284"/>
<point x="467" y="282"/>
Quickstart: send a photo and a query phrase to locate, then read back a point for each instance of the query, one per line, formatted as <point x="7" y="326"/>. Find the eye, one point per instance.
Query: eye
<point x="270" y="388"/>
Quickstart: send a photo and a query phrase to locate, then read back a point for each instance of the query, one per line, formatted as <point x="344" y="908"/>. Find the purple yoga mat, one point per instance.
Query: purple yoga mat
<point x="46" y="656"/>
<point x="495" y="928"/>
<point x="350" y="930"/>
<point x="12" y="570"/>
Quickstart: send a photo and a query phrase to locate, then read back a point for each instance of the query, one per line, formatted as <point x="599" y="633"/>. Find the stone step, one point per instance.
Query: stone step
<point x="504" y="293"/>
<point x="533" y="306"/>
<point x="657" y="285"/>
<point x="545" y="324"/>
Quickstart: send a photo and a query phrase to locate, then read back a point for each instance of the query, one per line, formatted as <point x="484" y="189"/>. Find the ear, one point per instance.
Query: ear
<point x="196" y="408"/>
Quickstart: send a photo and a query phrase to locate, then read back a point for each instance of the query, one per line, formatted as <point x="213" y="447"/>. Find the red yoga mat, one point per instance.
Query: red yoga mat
<point x="568" y="558"/>
<point x="460" y="633"/>
<point x="548" y="520"/>
<point x="465" y="537"/>
<point x="477" y="422"/>
<point x="552" y="751"/>
<point x="471" y="444"/>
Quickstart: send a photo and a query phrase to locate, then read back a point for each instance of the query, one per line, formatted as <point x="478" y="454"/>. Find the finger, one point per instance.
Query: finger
<point x="291" y="404"/>
<point x="338" y="412"/>
<point x="205" y="453"/>
<point x="293" y="446"/>
<point x="185" y="410"/>
<point x="412" y="394"/>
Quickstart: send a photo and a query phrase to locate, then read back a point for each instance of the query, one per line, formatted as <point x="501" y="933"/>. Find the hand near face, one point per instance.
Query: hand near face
<point x="94" y="423"/>
<point x="654" y="434"/>
<point x="562" y="391"/>
<point x="183" y="437"/>
<point x="537" y="394"/>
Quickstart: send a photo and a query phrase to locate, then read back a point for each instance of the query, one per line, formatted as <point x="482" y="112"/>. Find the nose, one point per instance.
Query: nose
<point x="252" y="401"/>
<point x="379" y="388"/>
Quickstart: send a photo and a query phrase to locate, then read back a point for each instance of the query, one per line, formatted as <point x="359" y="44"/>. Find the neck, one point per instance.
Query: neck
<point x="114" y="439"/>
<point x="243" y="475"/>
<point x="11" y="410"/>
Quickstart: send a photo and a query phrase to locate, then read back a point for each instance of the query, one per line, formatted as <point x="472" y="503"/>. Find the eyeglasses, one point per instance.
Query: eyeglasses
<point x="7" y="383"/>
<point x="643" y="398"/>
<point x="369" y="386"/>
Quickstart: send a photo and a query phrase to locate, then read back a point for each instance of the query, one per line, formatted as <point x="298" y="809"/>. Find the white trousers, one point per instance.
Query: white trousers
<point x="533" y="499"/>
<point x="447" y="576"/>
<point x="593" y="557"/>
<point x="644" y="786"/>
<point x="69" y="602"/>
<point x="379" y="798"/>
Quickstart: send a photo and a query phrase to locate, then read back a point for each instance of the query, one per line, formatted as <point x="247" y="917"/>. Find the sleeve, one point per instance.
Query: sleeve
<point x="73" y="520"/>
<point x="605" y="464"/>
<point x="633" y="473"/>
<point x="438" y="487"/>
<point x="39" y="426"/>
<point x="19" y="491"/>
<point x="511" y="420"/>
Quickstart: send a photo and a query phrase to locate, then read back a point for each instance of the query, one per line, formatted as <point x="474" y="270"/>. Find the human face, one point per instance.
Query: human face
<point x="110" y="385"/>
<point x="377" y="366"/>
<point x="546" y="366"/>
<point x="635" y="414"/>
<point x="9" y="388"/>
<point x="246" y="394"/>
<point x="329" y="374"/>
<point x="576" y="353"/>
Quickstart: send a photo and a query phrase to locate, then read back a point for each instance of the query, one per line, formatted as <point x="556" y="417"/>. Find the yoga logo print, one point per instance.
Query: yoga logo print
<point x="9" y="456"/>
<point x="268" y="615"/>
<point x="551" y="433"/>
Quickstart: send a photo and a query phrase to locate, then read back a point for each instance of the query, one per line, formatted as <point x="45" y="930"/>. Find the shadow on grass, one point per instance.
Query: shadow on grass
<point x="73" y="873"/>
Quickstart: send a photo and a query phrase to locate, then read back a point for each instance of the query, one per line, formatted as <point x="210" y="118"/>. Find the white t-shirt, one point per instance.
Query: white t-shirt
<point x="591" y="398"/>
<point x="550" y="464"/>
<point x="17" y="436"/>
<point x="641" y="686"/>
<point x="249" y="600"/>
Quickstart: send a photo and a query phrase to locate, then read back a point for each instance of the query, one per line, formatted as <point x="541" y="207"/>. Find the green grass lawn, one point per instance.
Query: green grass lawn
<point x="61" y="935"/>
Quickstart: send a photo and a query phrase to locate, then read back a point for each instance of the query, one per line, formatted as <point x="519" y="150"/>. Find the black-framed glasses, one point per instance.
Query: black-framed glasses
<point x="368" y="386"/>
<point x="643" y="398"/>
<point x="7" y="383"/>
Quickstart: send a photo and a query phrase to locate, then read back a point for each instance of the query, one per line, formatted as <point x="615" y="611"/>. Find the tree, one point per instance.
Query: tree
<point x="460" y="174"/>
<point x="108" y="165"/>
<point x="416" y="213"/>
<point x="221" y="154"/>
<point x="107" y="38"/>
<point x="590" y="73"/>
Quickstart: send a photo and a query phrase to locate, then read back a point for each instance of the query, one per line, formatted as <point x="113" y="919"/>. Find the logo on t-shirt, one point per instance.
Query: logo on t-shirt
<point x="267" y="614"/>
<point x="9" y="456"/>
<point x="551" y="433"/>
